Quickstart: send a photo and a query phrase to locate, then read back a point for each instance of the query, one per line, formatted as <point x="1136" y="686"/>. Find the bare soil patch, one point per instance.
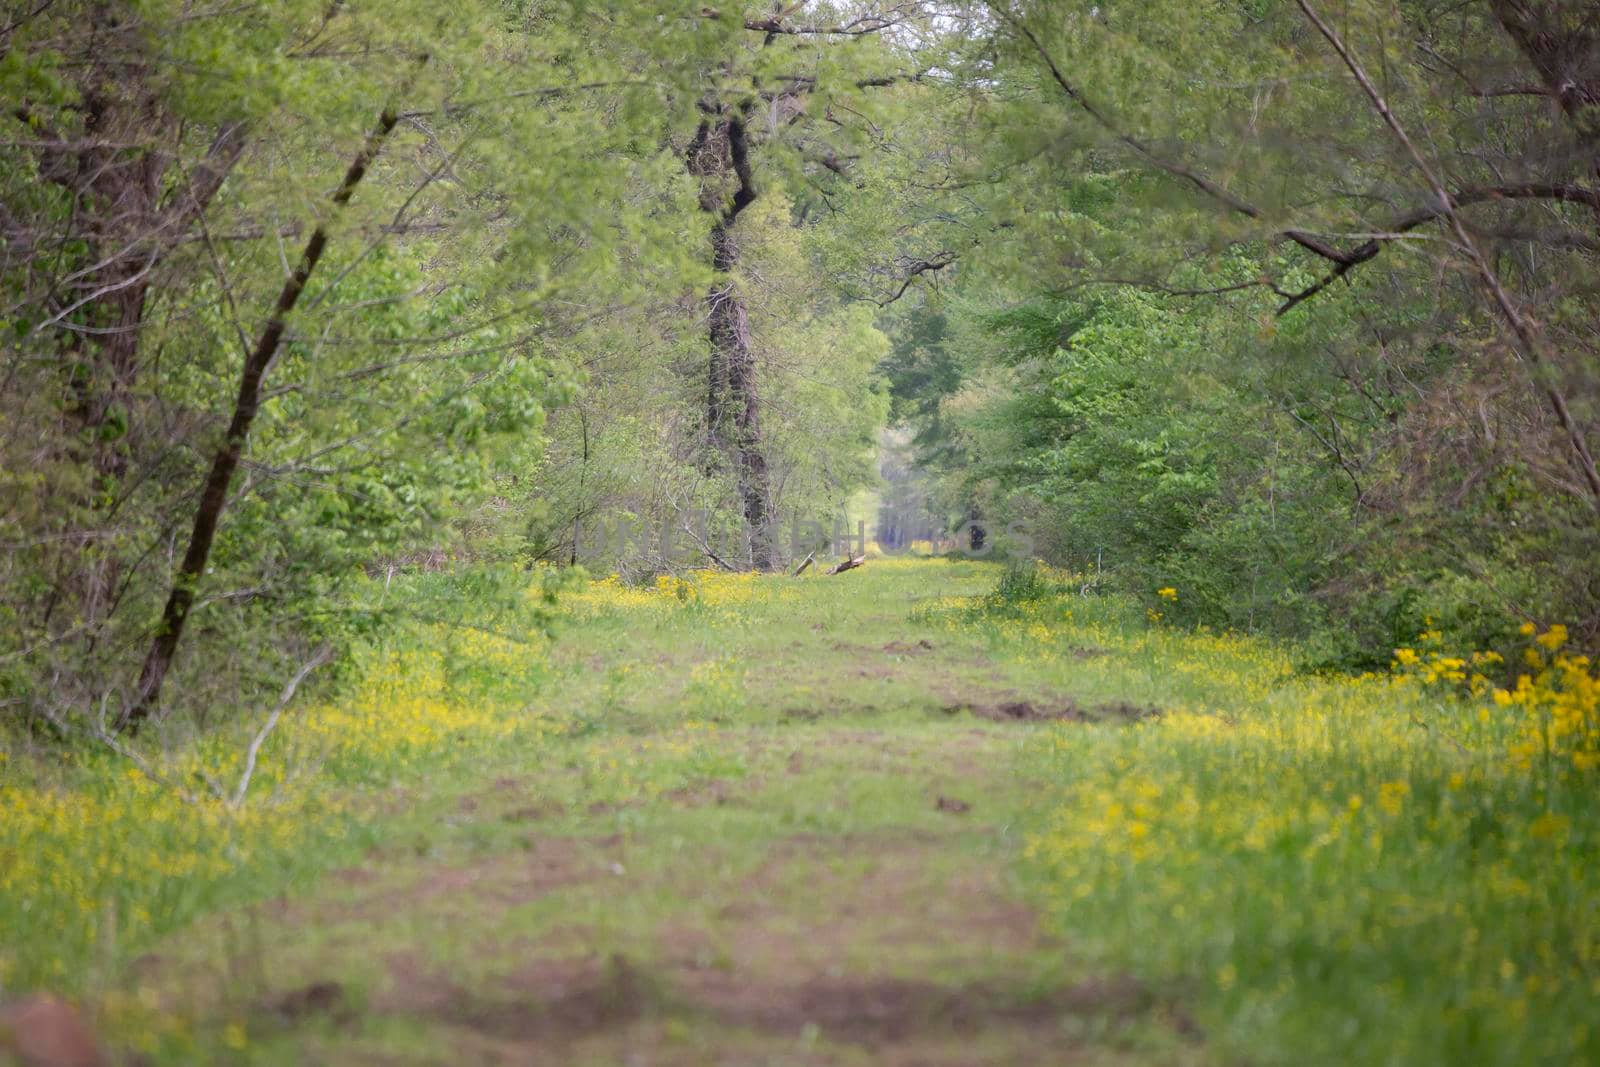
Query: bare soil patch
<point x="546" y="1001"/>
<point x="318" y="998"/>
<point x="1068" y="710"/>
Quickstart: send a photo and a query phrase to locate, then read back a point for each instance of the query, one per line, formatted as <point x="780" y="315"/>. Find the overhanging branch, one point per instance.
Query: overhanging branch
<point x="915" y="269"/>
<point x="1343" y="260"/>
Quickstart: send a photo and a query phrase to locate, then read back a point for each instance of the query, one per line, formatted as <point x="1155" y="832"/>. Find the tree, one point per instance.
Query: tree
<point x="366" y="378"/>
<point x="1267" y="166"/>
<point x="224" y="464"/>
<point x="1383" y="218"/>
<point x="762" y="95"/>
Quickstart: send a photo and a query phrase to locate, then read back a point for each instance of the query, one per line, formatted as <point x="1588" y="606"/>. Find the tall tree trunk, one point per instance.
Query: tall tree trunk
<point x="731" y="342"/>
<point x="214" y="497"/>
<point x="118" y="175"/>
<point x="114" y="173"/>
<point x="719" y="157"/>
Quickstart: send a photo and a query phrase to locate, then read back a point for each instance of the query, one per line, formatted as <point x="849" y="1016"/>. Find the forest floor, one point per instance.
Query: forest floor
<point x="791" y="838"/>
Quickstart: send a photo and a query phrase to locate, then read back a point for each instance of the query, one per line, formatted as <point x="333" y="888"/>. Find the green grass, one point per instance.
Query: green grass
<point x="713" y="822"/>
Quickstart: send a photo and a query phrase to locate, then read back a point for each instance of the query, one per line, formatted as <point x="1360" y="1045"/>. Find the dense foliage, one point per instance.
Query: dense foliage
<point x="1321" y="358"/>
<point x="291" y="291"/>
<point x="301" y="291"/>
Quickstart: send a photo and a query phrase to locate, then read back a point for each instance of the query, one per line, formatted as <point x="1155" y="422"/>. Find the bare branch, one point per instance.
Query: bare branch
<point x="778" y="25"/>
<point x="1344" y="260"/>
<point x="915" y="270"/>
<point x="322" y="656"/>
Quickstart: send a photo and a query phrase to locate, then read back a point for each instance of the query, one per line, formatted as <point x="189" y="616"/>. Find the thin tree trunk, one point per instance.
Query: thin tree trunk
<point x="583" y="472"/>
<point x="214" y="497"/>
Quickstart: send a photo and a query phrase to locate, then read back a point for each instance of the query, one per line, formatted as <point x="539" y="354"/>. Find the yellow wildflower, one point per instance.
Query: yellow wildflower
<point x="1392" y="795"/>
<point x="1548" y="826"/>
<point x="1554" y="637"/>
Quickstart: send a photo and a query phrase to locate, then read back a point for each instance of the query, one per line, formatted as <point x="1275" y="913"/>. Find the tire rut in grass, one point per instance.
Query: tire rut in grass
<point x="900" y="945"/>
<point x="866" y="945"/>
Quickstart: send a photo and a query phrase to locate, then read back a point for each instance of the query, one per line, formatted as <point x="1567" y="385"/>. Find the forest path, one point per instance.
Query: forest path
<point x="786" y="839"/>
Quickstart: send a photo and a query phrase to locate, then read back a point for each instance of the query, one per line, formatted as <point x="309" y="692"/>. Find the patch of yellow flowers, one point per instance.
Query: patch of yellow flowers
<point x="102" y="857"/>
<point x="1555" y="697"/>
<point x="1558" y="700"/>
<point x="1353" y="869"/>
<point x="697" y="588"/>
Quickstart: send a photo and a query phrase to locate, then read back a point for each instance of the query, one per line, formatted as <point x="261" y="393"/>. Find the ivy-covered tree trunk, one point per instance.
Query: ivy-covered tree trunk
<point x="719" y="157"/>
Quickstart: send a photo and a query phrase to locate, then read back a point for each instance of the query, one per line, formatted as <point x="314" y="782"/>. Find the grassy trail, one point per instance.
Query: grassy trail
<point x="886" y="817"/>
<point x="789" y="837"/>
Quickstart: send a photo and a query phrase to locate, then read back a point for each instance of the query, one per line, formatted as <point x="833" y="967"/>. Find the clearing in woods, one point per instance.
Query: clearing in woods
<point x="788" y="833"/>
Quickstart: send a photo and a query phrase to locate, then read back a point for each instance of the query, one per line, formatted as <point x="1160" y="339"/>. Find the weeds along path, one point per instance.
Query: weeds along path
<point x="783" y="830"/>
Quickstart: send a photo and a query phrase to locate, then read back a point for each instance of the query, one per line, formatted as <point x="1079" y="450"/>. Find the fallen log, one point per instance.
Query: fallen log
<point x="798" y="571"/>
<point x="848" y="564"/>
